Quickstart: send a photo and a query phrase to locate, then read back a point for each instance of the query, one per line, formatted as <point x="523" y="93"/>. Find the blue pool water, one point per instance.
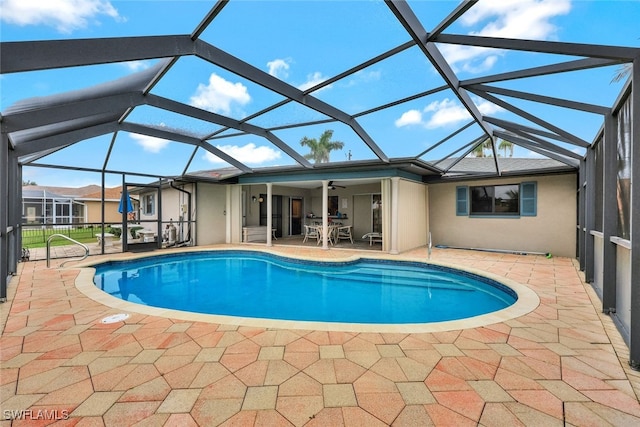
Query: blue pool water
<point x="253" y="284"/>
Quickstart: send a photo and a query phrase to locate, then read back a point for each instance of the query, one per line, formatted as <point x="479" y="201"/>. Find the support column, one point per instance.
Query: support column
<point x="581" y="213"/>
<point x="395" y="181"/>
<point x="14" y="218"/>
<point x="634" y="333"/>
<point x="4" y="218"/>
<point x="589" y="214"/>
<point x="227" y="215"/>
<point x="325" y="214"/>
<point x="102" y="212"/>
<point x="124" y="220"/>
<point x="269" y="212"/>
<point x="385" y="190"/>
<point x="158" y="215"/>
<point x="609" y="214"/>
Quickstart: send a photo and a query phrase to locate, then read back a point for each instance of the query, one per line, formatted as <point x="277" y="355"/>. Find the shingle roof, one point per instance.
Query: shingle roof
<point x="86" y="192"/>
<point x="109" y="194"/>
<point x="508" y="165"/>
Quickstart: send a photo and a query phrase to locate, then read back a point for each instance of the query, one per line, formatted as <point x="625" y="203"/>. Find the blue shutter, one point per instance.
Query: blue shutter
<point x="528" y="199"/>
<point x="462" y="203"/>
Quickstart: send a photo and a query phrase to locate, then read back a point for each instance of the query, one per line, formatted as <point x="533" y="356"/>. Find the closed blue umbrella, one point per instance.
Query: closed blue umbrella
<point x="124" y="198"/>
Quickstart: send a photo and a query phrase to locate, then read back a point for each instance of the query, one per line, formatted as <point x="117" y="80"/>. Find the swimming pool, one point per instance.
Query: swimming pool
<point x="259" y="285"/>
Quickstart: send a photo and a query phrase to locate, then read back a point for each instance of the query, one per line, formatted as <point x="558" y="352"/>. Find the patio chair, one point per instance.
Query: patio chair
<point x="311" y="232"/>
<point x="373" y="238"/>
<point x="344" y="233"/>
<point x="331" y="235"/>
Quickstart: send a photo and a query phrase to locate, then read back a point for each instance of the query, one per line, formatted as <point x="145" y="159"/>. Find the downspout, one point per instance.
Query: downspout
<point x="188" y="207"/>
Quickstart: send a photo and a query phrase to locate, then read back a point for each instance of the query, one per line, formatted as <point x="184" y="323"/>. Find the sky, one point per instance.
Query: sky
<point x="304" y="43"/>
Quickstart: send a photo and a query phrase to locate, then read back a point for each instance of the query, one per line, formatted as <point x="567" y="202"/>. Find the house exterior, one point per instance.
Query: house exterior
<point x="93" y="205"/>
<point x="165" y="205"/>
<point x="43" y="205"/>
<point x="405" y="208"/>
<point x="549" y="226"/>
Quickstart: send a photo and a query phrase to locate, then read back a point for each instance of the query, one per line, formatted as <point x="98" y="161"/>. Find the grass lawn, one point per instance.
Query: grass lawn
<point x="37" y="237"/>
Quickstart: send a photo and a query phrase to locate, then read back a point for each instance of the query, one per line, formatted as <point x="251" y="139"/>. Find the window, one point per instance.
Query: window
<point x="528" y="199"/>
<point x="501" y="200"/>
<point x="148" y="204"/>
<point x="495" y="200"/>
<point x="333" y="205"/>
<point x="461" y="201"/>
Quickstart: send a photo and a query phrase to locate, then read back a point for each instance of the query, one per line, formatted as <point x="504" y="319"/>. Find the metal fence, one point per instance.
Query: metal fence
<point x="36" y="236"/>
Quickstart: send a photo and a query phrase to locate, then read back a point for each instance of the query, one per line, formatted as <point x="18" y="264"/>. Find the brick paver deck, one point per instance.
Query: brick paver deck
<point x="562" y="364"/>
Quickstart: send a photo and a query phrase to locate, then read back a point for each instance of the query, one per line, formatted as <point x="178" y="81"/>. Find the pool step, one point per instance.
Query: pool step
<point x="417" y="274"/>
<point x="424" y="280"/>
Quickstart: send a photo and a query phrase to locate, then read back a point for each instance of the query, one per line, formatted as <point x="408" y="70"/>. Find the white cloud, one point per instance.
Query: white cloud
<point x="481" y="65"/>
<point x="64" y="15"/>
<point x="137" y="65"/>
<point x="519" y="19"/>
<point x="279" y="68"/>
<point x="411" y="117"/>
<point x="248" y="154"/>
<point x="150" y="143"/>
<point x="220" y="95"/>
<point x="528" y="19"/>
<point x="486" y="108"/>
<point x="312" y="80"/>
<point x="444" y="113"/>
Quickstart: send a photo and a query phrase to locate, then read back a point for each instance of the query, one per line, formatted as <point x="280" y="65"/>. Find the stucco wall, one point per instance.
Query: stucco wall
<point x="553" y="229"/>
<point x="172" y="203"/>
<point x="111" y="214"/>
<point x="233" y="215"/>
<point x="412" y="215"/>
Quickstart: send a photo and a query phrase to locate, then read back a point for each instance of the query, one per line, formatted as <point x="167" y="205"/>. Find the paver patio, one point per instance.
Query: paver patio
<point x="562" y="364"/>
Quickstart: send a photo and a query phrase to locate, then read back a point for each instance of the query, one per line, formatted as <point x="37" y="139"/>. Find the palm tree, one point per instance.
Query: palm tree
<point x="479" y="151"/>
<point x="320" y="149"/>
<point x="506" y="145"/>
<point x="623" y="71"/>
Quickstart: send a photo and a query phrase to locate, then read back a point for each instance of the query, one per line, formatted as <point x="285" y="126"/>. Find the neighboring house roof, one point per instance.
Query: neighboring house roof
<point x="110" y="195"/>
<point x="64" y="191"/>
<point x="40" y="194"/>
<point x="88" y="192"/>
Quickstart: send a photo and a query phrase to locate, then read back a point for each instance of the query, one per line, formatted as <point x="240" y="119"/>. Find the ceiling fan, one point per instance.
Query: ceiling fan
<point x="332" y="186"/>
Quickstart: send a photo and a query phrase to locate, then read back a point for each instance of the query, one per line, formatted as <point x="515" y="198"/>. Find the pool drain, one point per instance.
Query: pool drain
<point x="115" y="318"/>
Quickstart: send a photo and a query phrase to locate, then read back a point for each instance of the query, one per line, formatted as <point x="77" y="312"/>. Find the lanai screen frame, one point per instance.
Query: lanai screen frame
<point x="31" y="132"/>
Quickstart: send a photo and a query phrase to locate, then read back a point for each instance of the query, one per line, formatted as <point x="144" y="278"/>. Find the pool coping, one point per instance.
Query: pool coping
<point x="527" y="301"/>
